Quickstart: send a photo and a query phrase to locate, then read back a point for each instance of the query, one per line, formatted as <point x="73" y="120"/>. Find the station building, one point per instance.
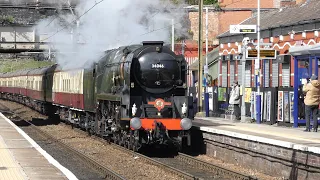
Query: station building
<point x="220" y="18"/>
<point x="290" y="30"/>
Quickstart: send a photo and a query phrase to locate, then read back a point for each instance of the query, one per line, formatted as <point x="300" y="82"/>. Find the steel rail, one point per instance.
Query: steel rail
<point x="218" y="170"/>
<point x="109" y="174"/>
<point x="147" y="159"/>
<point x="226" y="173"/>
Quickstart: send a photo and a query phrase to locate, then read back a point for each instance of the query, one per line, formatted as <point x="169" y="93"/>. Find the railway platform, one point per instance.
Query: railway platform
<point x="22" y="158"/>
<point x="275" y="150"/>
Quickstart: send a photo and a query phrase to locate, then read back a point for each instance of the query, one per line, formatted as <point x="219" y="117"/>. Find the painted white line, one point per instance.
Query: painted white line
<point x="275" y="142"/>
<point x="50" y="159"/>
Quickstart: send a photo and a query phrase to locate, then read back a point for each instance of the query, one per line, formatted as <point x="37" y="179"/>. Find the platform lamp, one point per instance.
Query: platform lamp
<point x="200" y="73"/>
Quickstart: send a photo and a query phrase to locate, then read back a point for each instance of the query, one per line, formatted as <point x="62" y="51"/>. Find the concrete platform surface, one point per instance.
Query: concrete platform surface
<point x="22" y="158"/>
<point x="288" y="137"/>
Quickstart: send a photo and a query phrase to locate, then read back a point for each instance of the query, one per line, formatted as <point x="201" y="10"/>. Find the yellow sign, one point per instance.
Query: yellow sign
<point x="247" y="95"/>
<point x="264" y="54"/>
<point x="248" y="30"/>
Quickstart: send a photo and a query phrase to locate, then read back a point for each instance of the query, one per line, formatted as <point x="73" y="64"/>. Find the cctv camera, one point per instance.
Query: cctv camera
<point x="246" y="40"/>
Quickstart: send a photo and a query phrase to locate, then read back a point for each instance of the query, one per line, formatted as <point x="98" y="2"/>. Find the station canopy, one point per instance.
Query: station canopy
<point x="212" y="57"/>
<point x="305" y="50"/>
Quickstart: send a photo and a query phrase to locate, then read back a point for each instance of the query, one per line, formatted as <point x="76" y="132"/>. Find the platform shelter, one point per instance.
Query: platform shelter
<point x="306" y="64"/>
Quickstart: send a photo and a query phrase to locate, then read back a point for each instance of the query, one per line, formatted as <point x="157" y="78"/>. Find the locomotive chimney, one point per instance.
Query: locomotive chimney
<point x="152" y="43"/>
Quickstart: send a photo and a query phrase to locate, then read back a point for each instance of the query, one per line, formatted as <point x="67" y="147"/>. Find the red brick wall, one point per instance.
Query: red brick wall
<point x="219" y="22"/>
<point x="213" y="25"/>
<point x="231" y="17"/>
<point x="246" y="3"/>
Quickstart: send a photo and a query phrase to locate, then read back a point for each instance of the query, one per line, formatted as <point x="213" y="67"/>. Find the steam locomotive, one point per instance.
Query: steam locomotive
<point x="134" y="95"/>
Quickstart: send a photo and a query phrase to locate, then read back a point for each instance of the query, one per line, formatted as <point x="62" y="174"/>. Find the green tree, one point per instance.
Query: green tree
<point x="209" y="2"/>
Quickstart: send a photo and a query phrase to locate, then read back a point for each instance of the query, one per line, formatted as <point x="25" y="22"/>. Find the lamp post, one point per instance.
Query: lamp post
<point x="206" y="93"/>
<point x="200" y="73"/>
<point x="257" y="68"/>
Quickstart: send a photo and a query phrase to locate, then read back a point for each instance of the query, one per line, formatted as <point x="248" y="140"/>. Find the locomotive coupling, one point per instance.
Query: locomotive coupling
<point x="186" y="123"/>
<point x="135" y="123"/>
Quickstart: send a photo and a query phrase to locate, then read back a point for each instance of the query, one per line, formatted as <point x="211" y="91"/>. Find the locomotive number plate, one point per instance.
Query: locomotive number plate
<point x="157" y="66"/>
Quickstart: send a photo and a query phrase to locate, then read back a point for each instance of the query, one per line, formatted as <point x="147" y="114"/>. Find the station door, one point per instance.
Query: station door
<point x="275" y="74"/>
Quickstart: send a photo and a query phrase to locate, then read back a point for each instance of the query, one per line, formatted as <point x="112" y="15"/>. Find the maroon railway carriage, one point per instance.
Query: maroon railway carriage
<point x="68" y="88"/>
<point x="30" y="87"/>
<point x="67" y="92"/>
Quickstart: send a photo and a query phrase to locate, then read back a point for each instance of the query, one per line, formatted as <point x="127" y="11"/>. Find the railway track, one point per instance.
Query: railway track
<point x="182" y="165"/>
<point x="108" y="173"/>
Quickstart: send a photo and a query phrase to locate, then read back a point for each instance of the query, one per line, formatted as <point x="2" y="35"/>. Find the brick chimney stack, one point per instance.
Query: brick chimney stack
<point x="288" y="3"/>
<point x="300" y="1"/>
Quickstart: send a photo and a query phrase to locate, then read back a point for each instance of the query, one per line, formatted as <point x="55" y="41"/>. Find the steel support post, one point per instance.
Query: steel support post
<point x="200" y="72"/>
<point x="243" y="67"/>
<point x="296" y="93"/>
<point x="206" y="94"/>
<point x="257" y="68"/>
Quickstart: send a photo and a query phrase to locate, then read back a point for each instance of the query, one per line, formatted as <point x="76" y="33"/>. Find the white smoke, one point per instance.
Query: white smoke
<point x="109" y="24"/>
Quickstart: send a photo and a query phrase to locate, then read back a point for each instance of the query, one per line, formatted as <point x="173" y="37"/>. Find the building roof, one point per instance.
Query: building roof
<point x="212" y="57"/>
<point x="305" y="50"/>
<point x="294" y="15"/>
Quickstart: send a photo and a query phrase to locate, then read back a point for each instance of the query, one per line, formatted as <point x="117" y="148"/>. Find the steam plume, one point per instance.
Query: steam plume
<point x="109" y="24"/>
